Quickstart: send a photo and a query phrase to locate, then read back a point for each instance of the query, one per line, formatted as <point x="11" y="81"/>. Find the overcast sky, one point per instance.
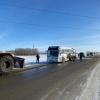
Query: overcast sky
<point x="72" y="23"/>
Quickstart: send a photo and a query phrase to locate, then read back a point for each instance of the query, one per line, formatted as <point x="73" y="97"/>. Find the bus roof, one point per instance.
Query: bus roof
<point x="62" y="47"/>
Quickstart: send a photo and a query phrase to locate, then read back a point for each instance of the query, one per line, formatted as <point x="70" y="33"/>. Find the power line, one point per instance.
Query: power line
<point x="48" y="25"/>
<point x="49" y="11"/>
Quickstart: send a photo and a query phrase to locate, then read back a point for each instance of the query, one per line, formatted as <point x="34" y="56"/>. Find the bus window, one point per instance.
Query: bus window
<point x="62" y="50"/>
<point x="66" y="51"/>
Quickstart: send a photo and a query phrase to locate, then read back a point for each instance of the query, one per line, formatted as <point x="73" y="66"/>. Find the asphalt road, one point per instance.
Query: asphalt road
<point x="57" y="81"/>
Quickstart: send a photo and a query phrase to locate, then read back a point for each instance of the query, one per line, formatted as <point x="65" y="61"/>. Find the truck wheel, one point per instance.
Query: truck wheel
<point x="6" y="64"/>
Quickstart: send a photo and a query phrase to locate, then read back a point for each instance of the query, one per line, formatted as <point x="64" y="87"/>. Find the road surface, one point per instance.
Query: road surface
<point x="56" y="81"/>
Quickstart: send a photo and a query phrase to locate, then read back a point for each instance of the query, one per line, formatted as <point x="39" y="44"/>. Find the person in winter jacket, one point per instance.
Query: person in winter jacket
<point x="69" y="57"/>
<point x="81" y="55"/>
<point x="37" y="58"/>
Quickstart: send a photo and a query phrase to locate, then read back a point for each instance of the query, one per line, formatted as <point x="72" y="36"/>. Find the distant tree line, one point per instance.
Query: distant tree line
<point x="24" y="51"/>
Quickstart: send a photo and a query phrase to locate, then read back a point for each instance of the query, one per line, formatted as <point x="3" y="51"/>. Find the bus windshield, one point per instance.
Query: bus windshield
<point x="53" y="53"/>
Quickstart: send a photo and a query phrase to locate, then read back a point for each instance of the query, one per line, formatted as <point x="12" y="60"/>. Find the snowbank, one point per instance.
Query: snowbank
<point x="31" y="60"/>
<point x="92" y="89"/>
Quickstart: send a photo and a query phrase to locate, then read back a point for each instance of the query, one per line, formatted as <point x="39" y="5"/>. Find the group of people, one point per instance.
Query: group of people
<point x="80" y="55"/>
<point x="69" y="57"/>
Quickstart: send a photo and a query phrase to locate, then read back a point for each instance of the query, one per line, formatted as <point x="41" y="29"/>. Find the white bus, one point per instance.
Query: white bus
<point x="59" y="53"/>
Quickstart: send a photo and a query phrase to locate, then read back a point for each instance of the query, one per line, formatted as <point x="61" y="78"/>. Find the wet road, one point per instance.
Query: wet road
<point x="57" y="81"/>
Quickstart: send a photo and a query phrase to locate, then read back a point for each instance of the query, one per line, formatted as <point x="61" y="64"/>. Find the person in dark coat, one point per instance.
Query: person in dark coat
<point x="80" y="56"/>
<point x="37" y="58"/>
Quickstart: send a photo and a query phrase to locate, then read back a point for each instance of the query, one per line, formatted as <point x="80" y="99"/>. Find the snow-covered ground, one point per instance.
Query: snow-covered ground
<point x="31" y="60"/>
<point x="92" y="87"/>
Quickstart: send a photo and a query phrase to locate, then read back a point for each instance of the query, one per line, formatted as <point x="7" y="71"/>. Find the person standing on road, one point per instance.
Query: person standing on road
<point x="69" y="57"/>
<point x="37" y="58"/>
<point x="80" y="55"/>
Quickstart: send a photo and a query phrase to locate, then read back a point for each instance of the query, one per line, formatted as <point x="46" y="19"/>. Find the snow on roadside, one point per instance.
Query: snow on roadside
<point x="31" y="60"/>
<point x="92" y="90"/>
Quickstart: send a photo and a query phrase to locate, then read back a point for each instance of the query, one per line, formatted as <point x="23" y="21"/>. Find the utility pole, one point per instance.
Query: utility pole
<point x="33" y="48"/>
